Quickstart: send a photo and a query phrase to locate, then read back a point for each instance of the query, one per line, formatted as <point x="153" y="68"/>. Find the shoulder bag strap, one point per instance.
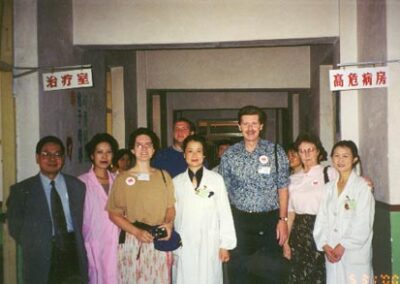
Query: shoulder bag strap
<point x="326" y="177"/>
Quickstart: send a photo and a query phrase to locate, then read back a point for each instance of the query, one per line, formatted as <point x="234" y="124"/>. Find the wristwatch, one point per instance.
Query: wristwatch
<point x="284" y="219"/>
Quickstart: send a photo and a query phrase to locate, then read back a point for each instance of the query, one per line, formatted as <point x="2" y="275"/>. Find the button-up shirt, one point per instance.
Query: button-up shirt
<point x="61" y="188"/>
<point x="252" y="179"/>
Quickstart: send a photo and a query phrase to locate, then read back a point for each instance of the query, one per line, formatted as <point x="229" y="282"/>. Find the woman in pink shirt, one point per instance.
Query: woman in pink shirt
<point x="306" y="190"/>
<point x="100" y="234"/>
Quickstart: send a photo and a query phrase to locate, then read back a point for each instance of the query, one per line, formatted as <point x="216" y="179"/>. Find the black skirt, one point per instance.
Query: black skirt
<point x="308" y="264"/>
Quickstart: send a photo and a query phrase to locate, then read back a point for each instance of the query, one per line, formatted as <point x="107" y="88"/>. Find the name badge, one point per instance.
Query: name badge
<point x="204" y="192"/>
<point x="263" y="159"/>
<point x="264" y="170"/>
<point x="143" y="176"/>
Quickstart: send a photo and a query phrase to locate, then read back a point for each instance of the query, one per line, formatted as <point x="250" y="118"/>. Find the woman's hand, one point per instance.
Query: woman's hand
<point x="338" y="251"/>
<point x="224" y="255"/>
<point x="168" y="227"/>
<point x="330" y="255"/>
<point x="143" y="236"/>
<point x="287" y="251"/>
<point x="369" y="181"/>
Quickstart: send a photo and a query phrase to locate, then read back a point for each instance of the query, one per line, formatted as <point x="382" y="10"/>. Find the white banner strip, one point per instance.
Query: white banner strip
<point x="79" y="78"/>
<point x="358" y="78"/>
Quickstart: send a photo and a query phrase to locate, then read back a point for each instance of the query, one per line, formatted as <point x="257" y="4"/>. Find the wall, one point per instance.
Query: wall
<point x="393" y="118"/>
<point x="63" y="113"/>
<point x="349" y="122"/>
<point x="144" y="22"/>
<point x="78" y="113"/>
<point x="240" y="68"/>
<point x="243" y="68"/>
<point x="375" y="34"/>
<point x="118" y="105"/>
<point x="373" y="103"/>
<point x="319" y="55"/>
<point x="26" y="88"/>
<point x="326" y="107"/>
<point x="393" y="98"/>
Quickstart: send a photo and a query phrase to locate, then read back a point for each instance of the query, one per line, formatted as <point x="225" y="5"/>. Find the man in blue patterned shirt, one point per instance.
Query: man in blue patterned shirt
<point x="256" y="174"/>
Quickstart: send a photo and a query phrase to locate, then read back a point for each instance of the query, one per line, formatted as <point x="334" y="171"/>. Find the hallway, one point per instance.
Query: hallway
<point x="206" y="60"/>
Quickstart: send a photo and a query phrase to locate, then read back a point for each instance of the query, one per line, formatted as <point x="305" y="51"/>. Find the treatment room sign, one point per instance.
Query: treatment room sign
<point x="69" y="79"/>
<point x="358" y="78"/>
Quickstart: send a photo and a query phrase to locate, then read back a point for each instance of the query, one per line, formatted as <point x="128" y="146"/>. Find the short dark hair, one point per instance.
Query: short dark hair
<point x="98" y="138"/>
<point x="313" y="139"/>
<point x="120" y="153"/>
<point x="350" y="145"/>
<point x="147" y="132"/>
<point x="49" y="139"/>
<point x="195" y="138"/>
<point x="291" y="147"/>
<point x="251" y="110"/>
<point x="192" y="127"/>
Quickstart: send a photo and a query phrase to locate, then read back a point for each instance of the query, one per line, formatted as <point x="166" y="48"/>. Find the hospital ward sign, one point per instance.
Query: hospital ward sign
<point x="70" y="79"/>
<point x="358" y="78"/>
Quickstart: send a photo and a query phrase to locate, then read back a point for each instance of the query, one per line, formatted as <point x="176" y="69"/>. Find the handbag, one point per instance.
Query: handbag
<point x="171" y="244"/>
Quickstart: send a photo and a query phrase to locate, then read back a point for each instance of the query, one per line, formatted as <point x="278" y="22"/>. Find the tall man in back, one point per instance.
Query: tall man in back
<point x="171" y="158"/>
<point x="256" y="174"/>
<point x="45" y="215"/>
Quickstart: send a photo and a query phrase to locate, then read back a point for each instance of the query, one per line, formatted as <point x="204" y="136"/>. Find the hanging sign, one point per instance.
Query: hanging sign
<point x="358" y="78"/>
<point x="79" y="78"/>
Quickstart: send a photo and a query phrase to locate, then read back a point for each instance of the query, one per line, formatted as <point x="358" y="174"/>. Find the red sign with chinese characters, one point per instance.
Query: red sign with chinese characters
<point x="360" y="78"/>
<point x="79" y="78"/>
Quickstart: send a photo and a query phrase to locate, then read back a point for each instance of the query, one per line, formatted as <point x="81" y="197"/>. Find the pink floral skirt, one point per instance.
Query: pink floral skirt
<point x="140" y="263"/>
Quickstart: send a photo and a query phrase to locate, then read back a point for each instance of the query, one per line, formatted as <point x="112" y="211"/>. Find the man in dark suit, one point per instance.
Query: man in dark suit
<point x="45" y="215"/>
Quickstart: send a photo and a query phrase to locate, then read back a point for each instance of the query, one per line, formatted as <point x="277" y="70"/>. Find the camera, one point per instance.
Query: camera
<point x="159" y="233"/>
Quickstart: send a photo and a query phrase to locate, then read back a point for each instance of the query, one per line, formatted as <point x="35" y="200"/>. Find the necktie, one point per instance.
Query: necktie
<point x="59" y="223"/>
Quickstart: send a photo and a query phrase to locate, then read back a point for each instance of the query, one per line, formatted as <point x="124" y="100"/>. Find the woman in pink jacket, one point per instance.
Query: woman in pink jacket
<point x="100" y="234"/>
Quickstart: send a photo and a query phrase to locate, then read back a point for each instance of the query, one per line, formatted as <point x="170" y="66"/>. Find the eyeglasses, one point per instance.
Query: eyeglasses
<point x="48" y="155"/>
<point x="145" y="145"/>
<point x="306" y="151"/>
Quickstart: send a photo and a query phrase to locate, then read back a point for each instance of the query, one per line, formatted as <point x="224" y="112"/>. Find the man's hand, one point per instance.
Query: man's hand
<point x="287" y="251"/>
<point x="224" y="255"/>
<point x="281" y="232"/>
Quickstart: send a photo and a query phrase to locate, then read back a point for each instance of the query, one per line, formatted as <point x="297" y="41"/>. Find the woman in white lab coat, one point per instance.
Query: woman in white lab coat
<point x="203" y="219"/>
<point x="343" y="228"/>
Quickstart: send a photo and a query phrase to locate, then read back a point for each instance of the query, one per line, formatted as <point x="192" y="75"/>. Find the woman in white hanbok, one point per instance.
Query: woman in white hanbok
<point x="203" y="219"/>
<point x="344" y="224"/>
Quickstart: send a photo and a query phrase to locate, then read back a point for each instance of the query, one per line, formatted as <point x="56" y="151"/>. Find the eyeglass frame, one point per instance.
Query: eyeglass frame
<point x="48" y="155"/>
